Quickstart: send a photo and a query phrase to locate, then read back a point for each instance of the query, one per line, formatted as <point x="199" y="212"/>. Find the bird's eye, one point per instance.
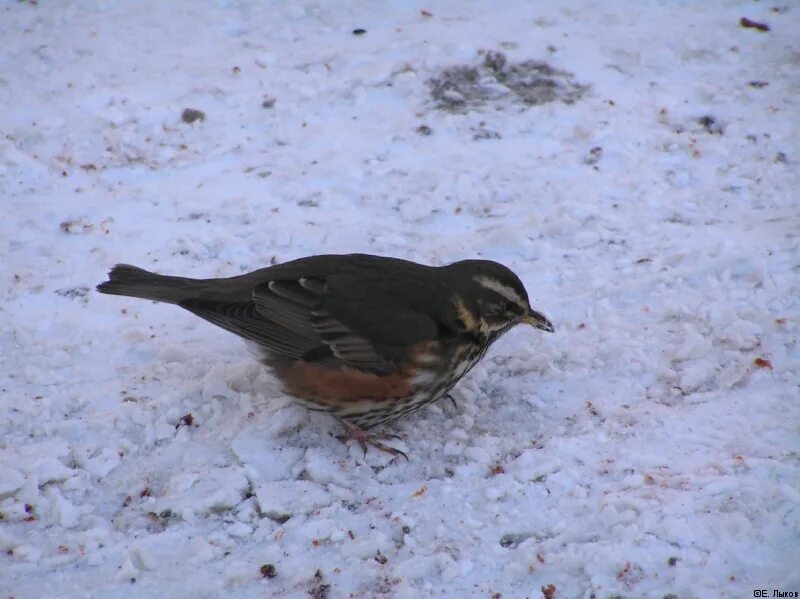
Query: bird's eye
<point x="502" y="311"/>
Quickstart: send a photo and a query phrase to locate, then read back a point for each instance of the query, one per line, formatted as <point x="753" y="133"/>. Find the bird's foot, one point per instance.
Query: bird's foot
<point x="366" y="439"/>
<point x="452" y="399"/>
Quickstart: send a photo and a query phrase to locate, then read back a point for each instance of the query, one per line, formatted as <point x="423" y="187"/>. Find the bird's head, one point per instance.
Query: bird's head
<point x="491" y="299"/>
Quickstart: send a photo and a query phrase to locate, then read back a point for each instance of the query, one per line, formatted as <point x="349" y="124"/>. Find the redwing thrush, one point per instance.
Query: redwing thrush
<point x="366" y="338"/>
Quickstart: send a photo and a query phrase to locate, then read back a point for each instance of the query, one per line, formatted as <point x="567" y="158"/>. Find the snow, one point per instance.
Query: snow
<point x="647" y="448"/>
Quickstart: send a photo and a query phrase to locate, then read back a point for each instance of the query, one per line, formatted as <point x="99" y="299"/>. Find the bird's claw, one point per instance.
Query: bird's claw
<point x="366" y="439"/>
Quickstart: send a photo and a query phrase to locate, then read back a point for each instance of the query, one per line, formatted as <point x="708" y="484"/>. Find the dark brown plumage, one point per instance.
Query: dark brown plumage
<point x="367" y="338"/>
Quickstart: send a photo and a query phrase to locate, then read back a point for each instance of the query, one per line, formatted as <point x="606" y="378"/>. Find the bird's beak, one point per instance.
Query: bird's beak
<point x="535" y="319"/>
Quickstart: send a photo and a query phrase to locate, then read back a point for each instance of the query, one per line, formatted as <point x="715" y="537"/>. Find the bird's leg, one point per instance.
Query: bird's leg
<point x="365" y="439"/>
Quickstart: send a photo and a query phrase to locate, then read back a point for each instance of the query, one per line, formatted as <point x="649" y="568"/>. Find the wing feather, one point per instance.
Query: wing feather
<point x="243" y="319"/>
<point x="299" y="306"/>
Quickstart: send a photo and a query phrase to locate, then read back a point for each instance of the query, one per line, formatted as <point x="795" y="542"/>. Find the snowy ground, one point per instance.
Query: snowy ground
<point x="649" y="448"/>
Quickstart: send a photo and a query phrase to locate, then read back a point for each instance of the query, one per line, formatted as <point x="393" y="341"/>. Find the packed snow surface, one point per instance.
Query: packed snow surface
<point x="636" y="163"/>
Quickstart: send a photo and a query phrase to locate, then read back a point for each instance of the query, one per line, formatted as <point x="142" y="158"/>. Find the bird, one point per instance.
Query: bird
<point x="368" y="339"/>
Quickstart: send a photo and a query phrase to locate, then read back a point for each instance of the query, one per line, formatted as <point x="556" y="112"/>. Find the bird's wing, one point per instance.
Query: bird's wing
<point x="360" y="318"/>
<point x="342" y="316"/>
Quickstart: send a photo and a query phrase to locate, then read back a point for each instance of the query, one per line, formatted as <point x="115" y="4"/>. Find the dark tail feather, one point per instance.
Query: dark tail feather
<point x="125" y="279"/>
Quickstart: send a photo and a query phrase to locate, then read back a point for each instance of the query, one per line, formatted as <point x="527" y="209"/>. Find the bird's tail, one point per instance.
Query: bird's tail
<point x="132" y="281"/>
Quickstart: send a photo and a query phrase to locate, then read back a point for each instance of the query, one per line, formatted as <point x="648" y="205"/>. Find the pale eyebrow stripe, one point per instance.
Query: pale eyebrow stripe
<point x="500" y="289"/>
